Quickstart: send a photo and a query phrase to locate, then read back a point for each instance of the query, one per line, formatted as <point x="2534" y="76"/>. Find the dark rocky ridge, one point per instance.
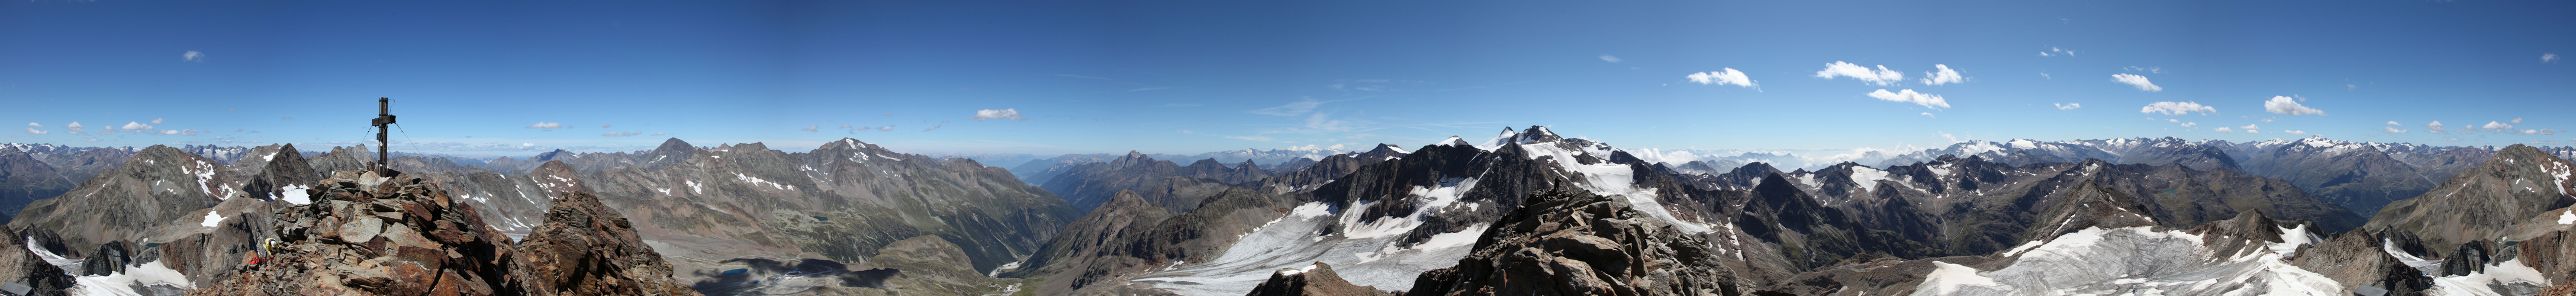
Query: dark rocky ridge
<point x="1565" y="243"/>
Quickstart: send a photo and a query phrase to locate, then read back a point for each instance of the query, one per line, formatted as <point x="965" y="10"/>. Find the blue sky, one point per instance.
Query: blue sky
<point x="1197" y="76"/>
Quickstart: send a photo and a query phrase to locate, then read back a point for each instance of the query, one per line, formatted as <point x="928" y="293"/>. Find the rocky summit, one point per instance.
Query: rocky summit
<point x="371" y="235"/>
<point x="1568" y="243"/>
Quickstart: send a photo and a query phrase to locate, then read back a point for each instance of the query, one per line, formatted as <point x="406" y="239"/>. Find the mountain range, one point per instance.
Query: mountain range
<point x="1459" y="216"/>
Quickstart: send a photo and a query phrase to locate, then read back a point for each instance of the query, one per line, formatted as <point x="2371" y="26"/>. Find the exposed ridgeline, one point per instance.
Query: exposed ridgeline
<point x="404" y="236"/>
<point x="2361" y="176"/>
<point x="2516" y="185"/>
<point x="2181" y="195"/>
<point x="158" y="186"/>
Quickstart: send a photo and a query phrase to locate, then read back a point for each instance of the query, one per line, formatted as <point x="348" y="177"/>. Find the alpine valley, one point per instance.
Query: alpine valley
<point x="1522" y="212"/>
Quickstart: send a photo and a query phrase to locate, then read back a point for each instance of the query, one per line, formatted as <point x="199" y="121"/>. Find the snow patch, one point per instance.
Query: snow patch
<point x="213" y="218"/>
<point x="123" y="283"/>
<point x="294" y="194"/>
<point x="1947" y="278"/>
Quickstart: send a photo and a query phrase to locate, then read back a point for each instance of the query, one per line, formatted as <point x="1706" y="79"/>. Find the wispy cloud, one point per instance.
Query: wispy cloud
<point x="2549" y="57"/>
<point x="2177" y="108"/>
<point x="34" y="131"/>
<point x="2392" y="130"/>
<point x="192" y="56"/>
<point x="811" y="128"/>
<point x="1725" y="76"/>
<point x="1004" y="114"/>
<point x="1943" y="76"/>
<point x="2053" y="51"/>
<point x="1608" y="58"/>
<point x="1882" y="76"/>
<point x="2138" y="81"/>
<point x="546" y="125"/>
<point x="2069" y="106"/>
<point x="1301" y="106"/>
<point x="2288" y="105"/>
<point x="1909" y="96"/>
<point x="156" y="121"/>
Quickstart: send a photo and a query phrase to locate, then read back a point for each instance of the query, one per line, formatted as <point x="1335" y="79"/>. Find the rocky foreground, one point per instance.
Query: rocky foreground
<point x="369" y="235"/>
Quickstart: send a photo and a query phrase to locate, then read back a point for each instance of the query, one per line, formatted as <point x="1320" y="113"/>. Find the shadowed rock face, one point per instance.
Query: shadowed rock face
<point x="1562" y="243"/>
<point x="20" y="265"/>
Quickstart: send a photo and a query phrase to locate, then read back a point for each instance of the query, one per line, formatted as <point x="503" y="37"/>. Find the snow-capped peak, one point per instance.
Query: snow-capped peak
<point x="1452" y="141"/>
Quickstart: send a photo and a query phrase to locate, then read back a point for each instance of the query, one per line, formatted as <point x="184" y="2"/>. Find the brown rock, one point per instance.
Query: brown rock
<point x="585" y="248"/>
<point x="1318" y="280"/>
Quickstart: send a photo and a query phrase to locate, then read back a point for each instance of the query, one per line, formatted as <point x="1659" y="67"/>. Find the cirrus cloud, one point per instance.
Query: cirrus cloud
<point x="2069" y="106"/>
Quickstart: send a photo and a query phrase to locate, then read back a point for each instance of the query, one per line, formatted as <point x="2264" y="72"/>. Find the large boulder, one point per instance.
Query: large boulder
<point x="587" y="249"/>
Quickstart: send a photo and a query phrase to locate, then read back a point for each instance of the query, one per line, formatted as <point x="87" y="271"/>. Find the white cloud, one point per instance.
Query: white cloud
<point x="136" y="126"/>
<point x="1608" y="58"/>
<point x="2517" y="120"/>
<point x="1727" y="76"/>
<point x="2434" y="127"/>
<point x="158" y="121"/>
<point x="885" y="128"/>
<point x="2249" y="126"/>
<point x="1929" y="114"/>
<point x="1291" y="109"/>
<point x="2177" y="108"/>
<point x="2138" y="81"/>
<point x="2190" y="124"/>
<point x="34" y="131"/>
<point x="811" y="128"/>
<point x="2549" y="57"/>
<point x="1943" y="76"/>
<point x="2392" y="130"/>
<point x="658" y="133"/>
<point x="2053" y="51"/>
<point x="2393" y="122"/>
<point x="621" y="134"/>
<point x="1250" y="138"/>
<point x="1882" y="76"/>
<point x="1004" y="114"/>
<point x="32" y="124"/>
<point x="2497" y="126"/>
<point x="1909" y="96"/>
<point x="546" y="125"/>
<point x="2223" y="129"/>
<point x="75" y="127"/>
<point x="2287" y="105"/>
<point x="193" y="56"/>
<point x="2069" y="106"/>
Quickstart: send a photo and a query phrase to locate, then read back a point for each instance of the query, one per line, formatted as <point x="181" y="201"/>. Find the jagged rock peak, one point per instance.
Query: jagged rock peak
<point x="675" y="144"/>
<point x="1452" y="141"/>
<point x="1389" y="148"/>
<point x="1311" y="280"/>
<point x="1132" y="158"/>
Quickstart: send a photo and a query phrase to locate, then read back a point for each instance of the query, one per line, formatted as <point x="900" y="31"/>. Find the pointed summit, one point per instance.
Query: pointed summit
<point x="673" y="144"/>
<point x="1451" y="141"/>
<point x="1132" y="158"/>
<point x="1537" y="134"/>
